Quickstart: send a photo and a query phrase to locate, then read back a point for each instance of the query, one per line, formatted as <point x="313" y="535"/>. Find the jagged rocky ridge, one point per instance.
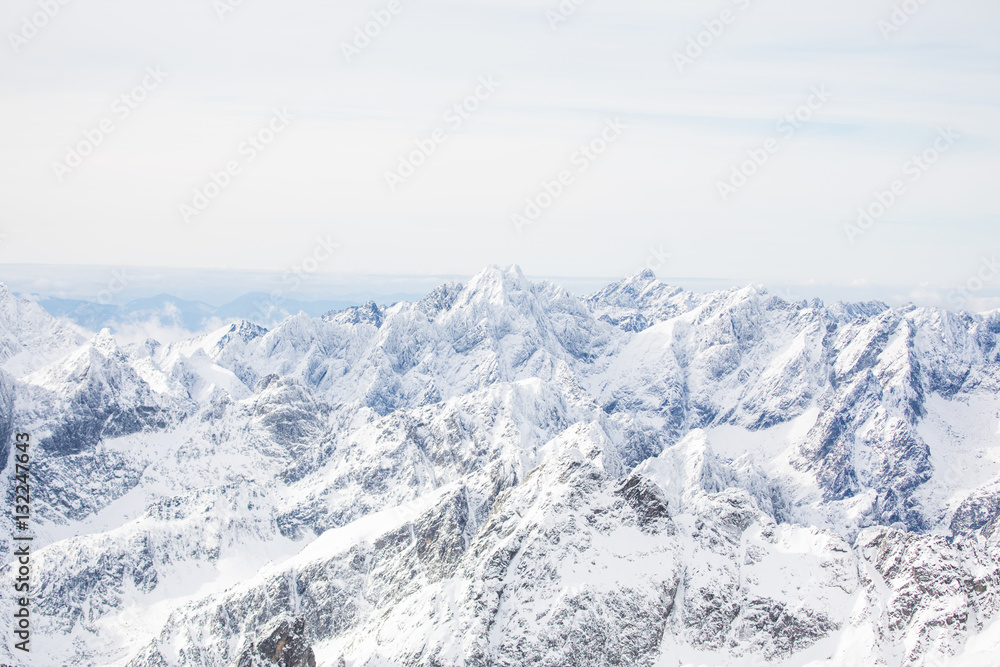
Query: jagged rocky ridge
<point x="505" y="474"/>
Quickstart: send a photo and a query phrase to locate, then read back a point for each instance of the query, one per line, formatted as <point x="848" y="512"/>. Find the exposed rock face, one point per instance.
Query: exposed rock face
<point x="285" y="647"/>
<point x="504" y="474"/>
<point x="6" y="416"/>
<point x="939" y="592"/>
<point x="978" y="513"/>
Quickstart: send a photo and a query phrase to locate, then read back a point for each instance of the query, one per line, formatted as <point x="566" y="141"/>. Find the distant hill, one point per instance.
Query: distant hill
<point x="194" y="316"/>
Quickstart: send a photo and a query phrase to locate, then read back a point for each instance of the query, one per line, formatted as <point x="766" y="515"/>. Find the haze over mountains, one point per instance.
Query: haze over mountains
<point x="191" y="316"/>
<point x="502" y="473"/>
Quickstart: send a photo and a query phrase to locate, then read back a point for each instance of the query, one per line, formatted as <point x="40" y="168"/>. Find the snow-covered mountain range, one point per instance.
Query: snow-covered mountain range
<point x="504" y="474"/>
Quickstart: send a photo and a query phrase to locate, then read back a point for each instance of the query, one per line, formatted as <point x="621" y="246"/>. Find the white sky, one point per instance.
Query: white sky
<point x="655" y="187"/>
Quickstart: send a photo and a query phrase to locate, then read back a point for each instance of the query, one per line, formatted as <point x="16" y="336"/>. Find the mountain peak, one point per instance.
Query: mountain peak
<point x="367" y="313"/>
<point x="493" y="284"/>
<point x="640" y="290"/>
<point x="30" y="338"/>
<point x="496" y="273"/>
<point x="104" y="342"/>
<point x="241" y="330"/>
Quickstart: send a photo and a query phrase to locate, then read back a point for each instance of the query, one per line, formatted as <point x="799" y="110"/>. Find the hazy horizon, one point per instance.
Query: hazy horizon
<point x="218" y="287"/>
